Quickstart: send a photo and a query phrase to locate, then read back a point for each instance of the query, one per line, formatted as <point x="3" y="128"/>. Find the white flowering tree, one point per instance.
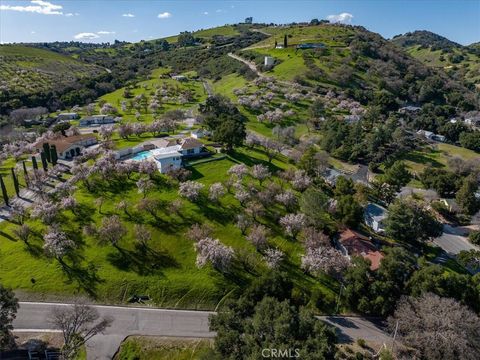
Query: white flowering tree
<point x="293" y="223"/>
<point x="324" y="259"/>
<point x="216" y="191"/>
<point x="260" y="172"/>
<point x="239" y="170"/>
<point x="57" y="243"/>
<point x="258" y="236"/>
<point x="190" y="190"/>
<point x="287" y="199"/>
<point x="111" y="230"/>
<point x="273" y="258"/>
<point x="144" y="186"/>
<point x="46" y="211"/>
<point x="213" y="251"/>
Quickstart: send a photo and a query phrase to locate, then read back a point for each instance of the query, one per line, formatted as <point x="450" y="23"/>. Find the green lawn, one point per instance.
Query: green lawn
<point x="166" y="271"/>
<point x="436" y="156"/>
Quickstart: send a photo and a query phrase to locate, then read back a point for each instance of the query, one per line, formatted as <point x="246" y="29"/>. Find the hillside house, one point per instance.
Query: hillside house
<point x="67" y="116"/>
<point x="190" y="147"/>
<point x="352" y="243"/>
<point x="69" y="147"/>
<point x="167" y="159"/>
<point x="473" y="121"/>
<point x="96" y="120"/>
<point x="311" y="46"/>
<point x="374" y="216"/>
<point x="179" y="77"/>
<point x="431" y="136"/>
<point x="269" y="61"/>
<point x="410" y="109"/>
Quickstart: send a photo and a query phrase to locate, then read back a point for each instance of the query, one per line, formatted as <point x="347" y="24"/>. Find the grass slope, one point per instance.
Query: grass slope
<point x="30" y="70"/>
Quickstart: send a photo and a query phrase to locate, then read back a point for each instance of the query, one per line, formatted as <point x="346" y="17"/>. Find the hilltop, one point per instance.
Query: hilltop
<point x="458" y="61"/>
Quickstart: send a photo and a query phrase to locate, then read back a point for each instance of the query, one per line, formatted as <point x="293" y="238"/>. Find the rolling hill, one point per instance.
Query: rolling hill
<point x="460" y="62"/>
<point x="351" y="59"/>
<point x="27" y="70"/>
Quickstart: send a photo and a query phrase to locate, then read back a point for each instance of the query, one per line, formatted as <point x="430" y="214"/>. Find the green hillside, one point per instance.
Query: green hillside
<point x="226" y="30"/>
<point x="352" y="59"/>
<point x="28" y="70"/>
<point x="460" y="62"/>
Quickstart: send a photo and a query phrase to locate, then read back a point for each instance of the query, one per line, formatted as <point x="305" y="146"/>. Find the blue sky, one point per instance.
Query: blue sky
<point x="134" y="20"/>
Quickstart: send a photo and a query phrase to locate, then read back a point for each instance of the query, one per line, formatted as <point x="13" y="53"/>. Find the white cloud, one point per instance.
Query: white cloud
<point x="218" y="10"/>
<point x="38" y="6"/>
<point x="345" y="18"/>
<point x="33" y="32"/>
<point x="86" y="36"/>
<point x="164" y="15"/>
<point x="128" y="15"/>
<point x="205" y="13"/>
<point x="71" y="14"/>
<point x="105" y="32"/>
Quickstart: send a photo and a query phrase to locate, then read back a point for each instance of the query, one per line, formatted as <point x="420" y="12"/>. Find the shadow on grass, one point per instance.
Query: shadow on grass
<point x="86" y="277"/>
<point x="422" y="158"/>
<point x="7" y="236"/>
<point x="143" y="260"/>
<point x="250" y="161"/>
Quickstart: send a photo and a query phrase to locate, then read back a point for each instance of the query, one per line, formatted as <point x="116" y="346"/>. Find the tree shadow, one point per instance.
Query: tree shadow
<point x="143" y="260"/>
<point x="83" y="213"/>
<point x="250" y="161"/>
<point x="7" y="236"/>
<point x="86" y="277"/>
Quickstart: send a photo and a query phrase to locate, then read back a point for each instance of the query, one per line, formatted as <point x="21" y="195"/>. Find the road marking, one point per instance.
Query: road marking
<point x="121" y="307"/>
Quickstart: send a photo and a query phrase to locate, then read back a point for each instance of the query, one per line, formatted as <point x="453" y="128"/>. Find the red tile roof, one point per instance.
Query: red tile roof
<point x="358" y="244"/>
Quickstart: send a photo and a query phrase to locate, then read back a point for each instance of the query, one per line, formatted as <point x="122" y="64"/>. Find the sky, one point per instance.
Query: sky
<point x="135" y="20"/>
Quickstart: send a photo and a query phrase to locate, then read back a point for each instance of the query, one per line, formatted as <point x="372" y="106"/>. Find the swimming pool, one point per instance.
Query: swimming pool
<point x="142" y="155"/>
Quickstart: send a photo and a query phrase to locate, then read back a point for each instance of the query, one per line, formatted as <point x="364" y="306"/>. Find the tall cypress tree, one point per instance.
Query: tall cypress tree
<point x="34" y="163"/>
<point x="4" y="191"/>
<point x="53" y="155"/>
<point x="25" y="174"/>
<point x="285" y="42"/>
<point x="44" y="160"/>
<point x="46" y="150"/>
<point x="15" y="182"/>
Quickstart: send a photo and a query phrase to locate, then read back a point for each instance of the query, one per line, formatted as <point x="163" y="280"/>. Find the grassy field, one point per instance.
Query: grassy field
<point x="166" y="271"/>
<point x="148" y="87"/>
<point x="436" y="156"/>
<point x="160" y="348"/>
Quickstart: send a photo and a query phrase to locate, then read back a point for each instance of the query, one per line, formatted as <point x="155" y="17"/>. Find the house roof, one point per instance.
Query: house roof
<point x="376" y="211"/>
<point x="190" y="143"/>
<point x="358" y="244"/>
<point x="164" y="142"/>
<point x="64" y="143"/>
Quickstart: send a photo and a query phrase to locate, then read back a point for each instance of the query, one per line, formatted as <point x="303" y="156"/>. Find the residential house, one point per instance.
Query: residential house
<point x="69" y="147"/>
<point x="179" y="77"/>
<point x="269" y="61"/>
<point x="67" y="116"/>
<point x="311" y="46"/>
<point x="410" y="109"/>
<point x="199" y="133"/>
<point x="374" y="216"/>
<point x="190" y="147"/>
<point x="431" y="136"/>
<point x="96" y="120"/>
<point x="353" y="243"/>
<point x="167" y="159"/>
<point x="331" y="176"/>
<point x="473" y="121"/>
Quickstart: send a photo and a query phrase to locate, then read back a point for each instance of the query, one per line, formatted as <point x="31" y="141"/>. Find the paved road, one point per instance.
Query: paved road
<point x="33" y="317"/>
<point x="453" y="240"/>
<point x="351" y="328"/>
<point x="126" y="321"/>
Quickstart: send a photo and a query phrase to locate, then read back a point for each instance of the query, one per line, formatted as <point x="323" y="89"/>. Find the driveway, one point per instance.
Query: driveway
<point x="454" y="239"/>
<point x="126" y="321"/>
<point x="351" y="328"/>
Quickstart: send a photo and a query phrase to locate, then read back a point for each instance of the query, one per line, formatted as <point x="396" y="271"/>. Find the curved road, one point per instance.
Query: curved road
<point x="34" y="317"/>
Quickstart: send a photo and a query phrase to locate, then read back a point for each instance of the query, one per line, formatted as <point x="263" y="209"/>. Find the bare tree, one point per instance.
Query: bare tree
<point x="79" y="323"/>
<point x="438" y="328"/>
